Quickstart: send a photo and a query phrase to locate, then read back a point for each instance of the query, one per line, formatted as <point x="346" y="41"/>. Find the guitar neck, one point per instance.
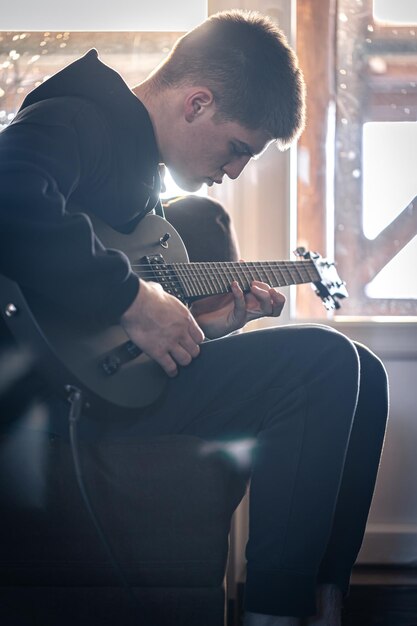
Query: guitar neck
<point x="207" y="279"/>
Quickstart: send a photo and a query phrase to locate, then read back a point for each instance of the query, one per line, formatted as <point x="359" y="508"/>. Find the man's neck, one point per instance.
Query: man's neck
<point x="146" y="95"/>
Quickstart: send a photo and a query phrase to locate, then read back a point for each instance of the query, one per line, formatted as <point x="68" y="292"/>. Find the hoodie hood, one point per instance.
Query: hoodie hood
<point x="136" y="155"/>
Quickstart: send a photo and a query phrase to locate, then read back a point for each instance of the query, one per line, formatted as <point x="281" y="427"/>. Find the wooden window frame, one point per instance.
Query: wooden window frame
<point x="329" y="217"/>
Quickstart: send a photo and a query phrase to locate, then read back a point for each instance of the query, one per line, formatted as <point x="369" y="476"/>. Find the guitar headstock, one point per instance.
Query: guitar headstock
<point x="330" y="287"/>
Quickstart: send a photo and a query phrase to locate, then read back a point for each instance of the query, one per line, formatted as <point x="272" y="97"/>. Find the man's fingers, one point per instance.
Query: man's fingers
<point x="263" y="295"/>
<point x="162" y="327"/>
<point x="195" y="331"/>
<point x="181" y="356"/>
<point x="237" y="292"/>
<point x="278" y="302"/>
<point x="168" y="365"/>
<point x="190" y="346"/>
<point x="261" y="285"/>
<point x="271" y="302"/>
<point x="240" y="302"/>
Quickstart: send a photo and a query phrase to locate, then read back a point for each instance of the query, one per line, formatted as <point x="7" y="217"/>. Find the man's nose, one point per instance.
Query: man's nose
<point x="234" y="168"/>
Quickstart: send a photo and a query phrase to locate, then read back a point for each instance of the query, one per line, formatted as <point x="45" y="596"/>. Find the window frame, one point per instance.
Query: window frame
<point x="329" y="198"/>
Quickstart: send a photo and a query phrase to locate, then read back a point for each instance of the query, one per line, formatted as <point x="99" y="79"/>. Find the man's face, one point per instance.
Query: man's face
<point x="207" y="150"/>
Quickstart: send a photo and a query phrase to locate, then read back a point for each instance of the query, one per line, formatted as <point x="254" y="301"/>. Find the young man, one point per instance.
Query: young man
<point x="315" y="402"/>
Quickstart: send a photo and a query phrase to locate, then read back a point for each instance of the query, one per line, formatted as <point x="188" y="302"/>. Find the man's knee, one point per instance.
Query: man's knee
<point x="371" y="364"/>
<point x="374" y="389"/>
<point x="328" y="343"/>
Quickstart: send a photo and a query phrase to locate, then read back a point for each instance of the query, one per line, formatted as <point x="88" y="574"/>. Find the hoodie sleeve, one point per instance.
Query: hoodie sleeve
<point x="42" y="246"/>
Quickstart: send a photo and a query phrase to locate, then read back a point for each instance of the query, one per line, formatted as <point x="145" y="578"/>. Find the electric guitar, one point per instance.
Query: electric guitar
<point x="110" y="370"/>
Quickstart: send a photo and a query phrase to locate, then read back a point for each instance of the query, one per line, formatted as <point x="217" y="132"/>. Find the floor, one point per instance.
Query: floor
<point x="378" y="597"/>
<point x="382" y="597"/>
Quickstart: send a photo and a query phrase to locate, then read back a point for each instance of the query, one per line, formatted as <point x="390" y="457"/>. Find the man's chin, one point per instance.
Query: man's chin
<point x="190" y="186"/>
<point x="187" y="184"/>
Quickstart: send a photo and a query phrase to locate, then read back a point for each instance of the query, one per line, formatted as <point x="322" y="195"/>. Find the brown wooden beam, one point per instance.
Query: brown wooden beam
<point x="315" y="49"/>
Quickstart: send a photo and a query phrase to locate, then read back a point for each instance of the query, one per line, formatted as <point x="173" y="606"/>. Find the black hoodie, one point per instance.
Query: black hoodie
<point x="81" y="139"/>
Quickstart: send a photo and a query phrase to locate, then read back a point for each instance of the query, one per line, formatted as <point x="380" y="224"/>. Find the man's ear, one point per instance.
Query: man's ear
<point x="197" y="101"/>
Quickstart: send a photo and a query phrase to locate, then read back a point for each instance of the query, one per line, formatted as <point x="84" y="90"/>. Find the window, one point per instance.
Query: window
<point x="29" y="58"/>
<point x="357" y="185"/>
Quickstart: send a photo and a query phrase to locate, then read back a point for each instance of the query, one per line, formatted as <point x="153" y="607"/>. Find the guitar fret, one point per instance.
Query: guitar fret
<point x="306" y="274"/>
<point x="231" y="274"/>
<point x="298" y="274"/>
<point x="250" y="272"/>
<point x="216" y="277"/>
<point x="193" y="278"/>
<point x="195" y="282"/>
<point x="203" y="279"/>
<point x="282" y="270"/>
<point x="211" y="278"/>
<point x="270" y="275"/>
<point x="259" y="271"/>
<point x="185" y="281"/>
<point x="289" y="269"/>
<point x="195" y="286"/>
<point x="245" y="282"/>
<point x="314" y="270"/>
<point x="222" y="278"/>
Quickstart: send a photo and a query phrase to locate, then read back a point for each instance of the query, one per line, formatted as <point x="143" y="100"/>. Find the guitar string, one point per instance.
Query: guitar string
<point x="206" y="270"/>
<point x="201" y="284"/>
<point x="214" y="271"/>
<point x="215" y="274"/>
<point x="232" y="264"/>
<point x="297" y="277"/>
<point x="204" y="275"/>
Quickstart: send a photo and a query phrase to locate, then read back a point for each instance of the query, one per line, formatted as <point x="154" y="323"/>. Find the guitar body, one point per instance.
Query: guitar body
<point x="100" y="361"/>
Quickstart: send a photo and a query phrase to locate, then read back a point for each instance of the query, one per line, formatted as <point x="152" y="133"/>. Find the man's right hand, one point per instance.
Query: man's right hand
<point x="162" y="327"/>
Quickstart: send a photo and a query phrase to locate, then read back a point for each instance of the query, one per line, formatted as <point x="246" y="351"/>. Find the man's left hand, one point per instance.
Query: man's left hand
<point x="221" y="315"/>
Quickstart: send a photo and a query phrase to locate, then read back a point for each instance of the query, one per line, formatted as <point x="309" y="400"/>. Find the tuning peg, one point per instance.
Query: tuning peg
<point x="300" y="251"/>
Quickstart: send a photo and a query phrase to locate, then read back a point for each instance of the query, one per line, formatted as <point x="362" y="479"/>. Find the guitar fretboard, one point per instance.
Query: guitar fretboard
<point x="206" y="279"/>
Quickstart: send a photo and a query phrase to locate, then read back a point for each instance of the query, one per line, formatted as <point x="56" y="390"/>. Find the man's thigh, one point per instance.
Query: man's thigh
<point x="228" y="390"/>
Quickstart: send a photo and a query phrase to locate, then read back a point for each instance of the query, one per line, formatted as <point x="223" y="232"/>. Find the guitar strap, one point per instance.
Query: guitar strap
<point x="159" y="209"/>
